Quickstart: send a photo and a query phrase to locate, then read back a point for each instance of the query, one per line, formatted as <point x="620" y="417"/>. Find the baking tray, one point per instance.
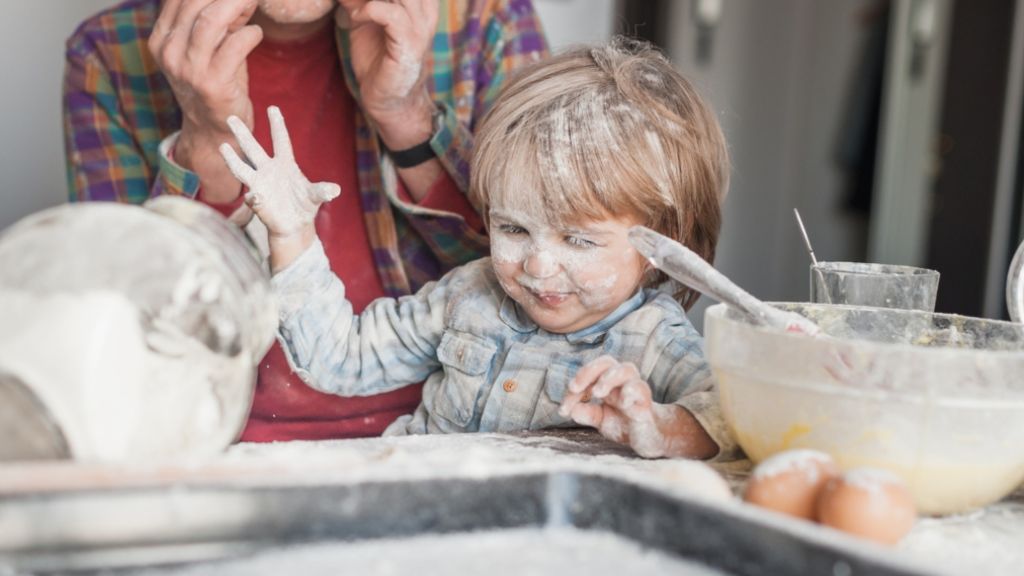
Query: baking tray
<point x="184" y="528"/>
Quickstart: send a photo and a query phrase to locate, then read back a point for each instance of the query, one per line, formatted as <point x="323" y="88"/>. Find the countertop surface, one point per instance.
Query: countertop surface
<point x="986" y="541"/>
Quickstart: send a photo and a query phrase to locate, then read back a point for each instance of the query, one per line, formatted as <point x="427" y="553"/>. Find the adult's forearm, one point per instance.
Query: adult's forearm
<point x="404" y="129"/>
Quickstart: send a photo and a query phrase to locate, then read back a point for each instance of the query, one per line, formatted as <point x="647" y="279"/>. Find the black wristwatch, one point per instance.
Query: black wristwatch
<point x="418" y="154"/>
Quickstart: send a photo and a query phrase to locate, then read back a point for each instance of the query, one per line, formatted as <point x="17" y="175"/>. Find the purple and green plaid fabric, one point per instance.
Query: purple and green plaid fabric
<point x="118" y="108"/>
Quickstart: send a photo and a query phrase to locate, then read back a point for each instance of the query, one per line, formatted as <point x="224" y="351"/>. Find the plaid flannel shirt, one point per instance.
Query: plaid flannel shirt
<point x="120" y="117"/>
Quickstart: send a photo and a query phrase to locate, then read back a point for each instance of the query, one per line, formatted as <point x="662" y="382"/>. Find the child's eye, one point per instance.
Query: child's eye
<point x="512" y="229"/>
<point x="579" y="242"/>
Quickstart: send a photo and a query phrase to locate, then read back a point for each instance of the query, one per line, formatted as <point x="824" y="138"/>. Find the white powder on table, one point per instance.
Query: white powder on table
<point x="495" y="553"/>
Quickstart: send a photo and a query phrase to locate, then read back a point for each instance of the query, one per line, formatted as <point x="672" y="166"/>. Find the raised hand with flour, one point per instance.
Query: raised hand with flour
<point x="278" y="192"/>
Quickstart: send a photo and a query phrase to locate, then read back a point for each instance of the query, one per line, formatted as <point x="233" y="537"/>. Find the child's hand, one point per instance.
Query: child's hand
<point x="626" y="412"/>
<point x="279" y="193"/>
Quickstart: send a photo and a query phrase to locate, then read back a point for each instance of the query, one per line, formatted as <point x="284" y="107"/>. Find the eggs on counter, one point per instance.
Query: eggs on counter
<point x="807" y="484"/>
<point x="789" y="482"/>
<point x="873" y="504"/>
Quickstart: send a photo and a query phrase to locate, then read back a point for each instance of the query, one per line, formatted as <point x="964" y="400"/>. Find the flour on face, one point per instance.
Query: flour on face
<point x="566" y="277"/>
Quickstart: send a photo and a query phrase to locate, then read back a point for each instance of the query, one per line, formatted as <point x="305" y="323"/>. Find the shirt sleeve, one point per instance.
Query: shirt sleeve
<point x="681" y="376"/>
<point x="172" y="178"/>
<point x="511" y="38"/>
<point x="103" y="160"/>
<point x="393" y="342"/>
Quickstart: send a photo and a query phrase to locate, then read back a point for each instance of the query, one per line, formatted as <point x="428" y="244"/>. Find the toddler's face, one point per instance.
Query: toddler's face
<point x="566" y="278"/>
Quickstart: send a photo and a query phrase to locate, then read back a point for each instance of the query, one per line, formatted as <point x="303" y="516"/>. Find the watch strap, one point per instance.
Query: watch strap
<point x="411" y="157"/>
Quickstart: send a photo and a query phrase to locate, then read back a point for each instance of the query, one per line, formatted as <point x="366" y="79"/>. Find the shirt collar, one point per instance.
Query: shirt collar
<point x="515" y="318"/>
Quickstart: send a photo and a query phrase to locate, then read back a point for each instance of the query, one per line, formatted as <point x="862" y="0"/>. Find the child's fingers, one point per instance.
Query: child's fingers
<point x="633" y="398"/>
<point x="587" y="414"/>
<point x="324" y="192"/>
<point x="279" y="134"/>
<point x="589" y="373"/>
<point x="245" y="174"/>
<point x="615" y="378"/>
<point x="569" y="402"/>
<point x="252" y="149"/>
<point x="254" y="200"/>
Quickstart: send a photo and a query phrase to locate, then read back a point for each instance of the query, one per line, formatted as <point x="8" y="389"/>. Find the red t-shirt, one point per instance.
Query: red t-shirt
<point x="304" y="79"/>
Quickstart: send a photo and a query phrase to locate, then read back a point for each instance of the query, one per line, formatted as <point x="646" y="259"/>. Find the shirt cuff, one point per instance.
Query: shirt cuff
<point x="228" y="210"/>
<point x="173" y="178"/>
<point x="444" y="196"/>
<point x="451" y="144"/>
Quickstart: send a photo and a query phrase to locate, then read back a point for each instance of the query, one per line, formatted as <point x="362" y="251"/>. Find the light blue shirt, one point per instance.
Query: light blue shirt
<point x="487" y="367"/>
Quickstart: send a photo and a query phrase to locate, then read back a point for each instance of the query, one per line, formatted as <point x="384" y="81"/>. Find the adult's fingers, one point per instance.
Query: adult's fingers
<point x="245" y="174"/>
<point x="423" y="13"/>
<point x="211" y="27"/>
<point x="279" y="134"/>
<point x="351" y="6"/>
<point x="394" y="18"/>
<point x="180" y="35"/>
<point x="243" y="18"/>
<point x="252" y="149"/>
<point x="164" y="24"/>
<point x="231" y="54"/>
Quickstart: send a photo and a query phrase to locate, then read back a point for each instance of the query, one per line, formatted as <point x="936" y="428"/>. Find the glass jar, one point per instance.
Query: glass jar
<point x="135" y="332"/>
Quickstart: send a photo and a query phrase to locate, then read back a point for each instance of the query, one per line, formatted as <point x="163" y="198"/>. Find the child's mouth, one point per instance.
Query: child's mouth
<point x="551" y="299"/>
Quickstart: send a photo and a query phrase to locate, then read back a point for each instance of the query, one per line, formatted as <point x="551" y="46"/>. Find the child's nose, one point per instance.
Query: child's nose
<point x="540" y="264"/>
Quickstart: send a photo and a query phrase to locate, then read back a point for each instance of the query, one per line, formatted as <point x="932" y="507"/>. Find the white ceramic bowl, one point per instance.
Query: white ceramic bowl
<point x="935" y="398"/>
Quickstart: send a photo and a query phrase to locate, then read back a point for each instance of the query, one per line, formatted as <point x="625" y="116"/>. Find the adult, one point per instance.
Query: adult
<point x="149" y="86"/>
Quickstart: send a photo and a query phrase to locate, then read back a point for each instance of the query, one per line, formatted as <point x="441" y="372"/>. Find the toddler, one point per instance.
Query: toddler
<point x="565" y="324"/>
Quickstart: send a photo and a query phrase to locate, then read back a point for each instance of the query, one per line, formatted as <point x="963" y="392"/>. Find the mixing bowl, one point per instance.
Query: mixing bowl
<point x="936" y="398"/>
<point x="128" y="333"/>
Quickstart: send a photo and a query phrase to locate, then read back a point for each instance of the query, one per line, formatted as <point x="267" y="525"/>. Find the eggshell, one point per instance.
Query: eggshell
<point x="789" y="482"/>
<point x="872" y="504"/>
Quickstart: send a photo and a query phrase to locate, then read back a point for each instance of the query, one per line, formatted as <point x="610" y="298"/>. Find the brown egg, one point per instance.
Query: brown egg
<point x="873" y="504"/>
<point x="789" y="482"/>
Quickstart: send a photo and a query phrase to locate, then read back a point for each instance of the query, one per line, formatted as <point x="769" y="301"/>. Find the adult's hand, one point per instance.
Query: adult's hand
<point x="390" y="41"/>
<point x="202" y="46"/>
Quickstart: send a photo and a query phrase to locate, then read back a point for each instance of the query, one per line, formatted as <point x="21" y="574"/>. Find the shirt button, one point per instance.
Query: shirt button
<point x="509" y="386"/>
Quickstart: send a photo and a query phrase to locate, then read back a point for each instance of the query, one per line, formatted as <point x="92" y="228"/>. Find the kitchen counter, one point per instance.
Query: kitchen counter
<point x="564" y="489"/>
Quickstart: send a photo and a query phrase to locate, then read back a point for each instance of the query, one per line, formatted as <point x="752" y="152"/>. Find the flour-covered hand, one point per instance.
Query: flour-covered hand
<point x="612" y="397"/>
<point x="280" y="195"/>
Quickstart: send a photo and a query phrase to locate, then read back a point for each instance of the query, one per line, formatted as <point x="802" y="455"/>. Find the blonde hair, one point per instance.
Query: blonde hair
<point x="606" y="131"/>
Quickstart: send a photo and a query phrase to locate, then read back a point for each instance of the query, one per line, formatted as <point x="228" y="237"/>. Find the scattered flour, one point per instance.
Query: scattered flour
<point x="497" y="553"/>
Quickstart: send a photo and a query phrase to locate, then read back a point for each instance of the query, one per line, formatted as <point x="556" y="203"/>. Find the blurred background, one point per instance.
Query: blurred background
<point x="895" y="127"/>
